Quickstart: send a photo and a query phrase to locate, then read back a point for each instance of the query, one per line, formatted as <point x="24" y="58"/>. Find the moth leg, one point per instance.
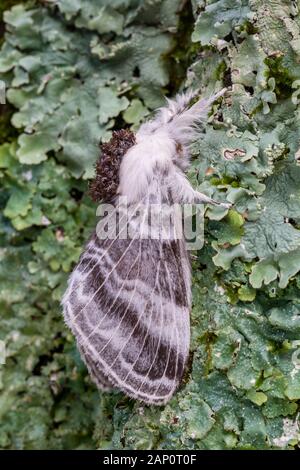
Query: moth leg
<point x="184" y="193"/>
<point x="200" y="198"/>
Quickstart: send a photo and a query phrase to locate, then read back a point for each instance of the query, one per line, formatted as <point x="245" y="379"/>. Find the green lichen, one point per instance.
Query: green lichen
<point x="283" y="78"/>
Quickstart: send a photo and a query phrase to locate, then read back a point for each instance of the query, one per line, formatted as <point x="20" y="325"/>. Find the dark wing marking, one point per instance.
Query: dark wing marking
<point x="128" y="305"/>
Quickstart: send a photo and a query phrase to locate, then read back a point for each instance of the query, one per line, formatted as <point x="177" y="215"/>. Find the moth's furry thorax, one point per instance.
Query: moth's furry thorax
<point x="105" y="184"/>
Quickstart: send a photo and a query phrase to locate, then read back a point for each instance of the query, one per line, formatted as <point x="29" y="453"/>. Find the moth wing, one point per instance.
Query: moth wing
<point x="128" y="305"/>
<point x="97" y="376"/>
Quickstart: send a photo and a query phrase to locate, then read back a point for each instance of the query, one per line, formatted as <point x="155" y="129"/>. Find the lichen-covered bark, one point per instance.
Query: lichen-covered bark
<point x="78" y="70"/>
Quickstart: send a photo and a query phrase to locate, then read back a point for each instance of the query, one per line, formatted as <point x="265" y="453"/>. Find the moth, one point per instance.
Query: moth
<point x="128" y="299"/>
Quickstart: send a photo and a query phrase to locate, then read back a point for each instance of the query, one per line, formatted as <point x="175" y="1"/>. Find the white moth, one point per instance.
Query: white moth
<point x="128" y="299"/>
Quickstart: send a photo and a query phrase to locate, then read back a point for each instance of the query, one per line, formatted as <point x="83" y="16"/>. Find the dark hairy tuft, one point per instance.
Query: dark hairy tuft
<point x="105" y="184"/>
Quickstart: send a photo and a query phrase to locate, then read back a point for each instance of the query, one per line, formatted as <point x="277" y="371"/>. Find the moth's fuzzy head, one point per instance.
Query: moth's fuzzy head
<point x="178" y="122"/>
<point x="128" y="161"/>
<point x="106" y="182"/>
